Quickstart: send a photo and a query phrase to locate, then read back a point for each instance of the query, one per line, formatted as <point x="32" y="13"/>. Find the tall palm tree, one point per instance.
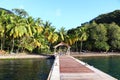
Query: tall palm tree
<point x="73" y="37"/>
<point x="4" y="21"/>
<point x="82" y="36"/>
<point x="30" y="26"/>
<point x="62" y="34"/>
<point x="28" y="39"/>
<point x="38" y="33"/>
<point x="35" y="37"/>
<point x="1" y="35"/>
<point x="50" y="33"/>
<point x="16" y="29"/>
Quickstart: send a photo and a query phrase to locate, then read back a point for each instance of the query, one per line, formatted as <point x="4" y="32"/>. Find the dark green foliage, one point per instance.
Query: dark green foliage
<point x="20" y="32"/>
<point x="97" y="37"/>
<point x="108" y="18"/>
<point x="103" y="33"/>
<point x="114" y="36"/>
<point x="102" y="46"/>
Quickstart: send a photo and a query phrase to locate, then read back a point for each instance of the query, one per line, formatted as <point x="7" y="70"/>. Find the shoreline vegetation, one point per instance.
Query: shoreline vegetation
<point x="20" y="32"/>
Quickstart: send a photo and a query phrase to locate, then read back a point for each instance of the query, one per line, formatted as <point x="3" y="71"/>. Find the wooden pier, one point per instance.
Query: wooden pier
<point x="69" y="68"/>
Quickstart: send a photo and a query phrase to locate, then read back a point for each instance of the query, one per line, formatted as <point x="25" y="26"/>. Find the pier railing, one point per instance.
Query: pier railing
<point x="54" y="72"/>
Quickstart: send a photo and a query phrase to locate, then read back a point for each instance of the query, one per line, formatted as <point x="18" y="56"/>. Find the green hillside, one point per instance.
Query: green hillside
<point x="108" y="18"/>
<point x="8" y="11"/>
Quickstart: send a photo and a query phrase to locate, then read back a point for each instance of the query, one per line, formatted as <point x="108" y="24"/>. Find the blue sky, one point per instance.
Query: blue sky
<point x="63" y="13"/>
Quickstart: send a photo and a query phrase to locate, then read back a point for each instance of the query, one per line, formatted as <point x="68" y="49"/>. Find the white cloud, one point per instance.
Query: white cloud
<point x="58" y="12"/>
<point x="21" y="7"/>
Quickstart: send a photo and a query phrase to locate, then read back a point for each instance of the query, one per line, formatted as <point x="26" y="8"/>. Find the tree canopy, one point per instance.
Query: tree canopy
<point x="108" y="18"/>
<point x="20" y="32"/>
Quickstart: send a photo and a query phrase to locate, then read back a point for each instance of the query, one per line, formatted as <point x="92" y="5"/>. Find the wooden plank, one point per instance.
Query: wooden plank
<point x="74" y="69"/>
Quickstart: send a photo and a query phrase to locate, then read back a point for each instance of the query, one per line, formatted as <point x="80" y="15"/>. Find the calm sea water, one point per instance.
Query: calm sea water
<point x="109" y="65"/>
<point x="25" y="69"/>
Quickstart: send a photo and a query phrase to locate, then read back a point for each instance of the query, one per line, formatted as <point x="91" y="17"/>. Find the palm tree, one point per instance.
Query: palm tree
<point x="82" y="36"/>
<point x="16" y="29"/>
<point x="50" y="33"/>
<point x="28" y="38"/>
<point x="20" y="12"/>
<point x="73" y="37"/>
<point x="70" y="37"/>
<point x="3" y="23"/>
<point x="34" y="37"/>
<point x="12" y="27"/>
<point x="62" y="34"/>
<point x="47" y="24"/>
<point x="38" y="33"/>
<point x="1" y="34"/>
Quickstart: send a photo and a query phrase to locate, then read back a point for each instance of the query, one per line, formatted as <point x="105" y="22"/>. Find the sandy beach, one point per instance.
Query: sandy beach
<point x="21" y="56"/>
<point x="75" y="54"/>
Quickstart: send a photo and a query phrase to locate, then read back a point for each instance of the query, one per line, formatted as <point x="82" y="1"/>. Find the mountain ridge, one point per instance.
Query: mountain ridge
<point x="108" y="18"/>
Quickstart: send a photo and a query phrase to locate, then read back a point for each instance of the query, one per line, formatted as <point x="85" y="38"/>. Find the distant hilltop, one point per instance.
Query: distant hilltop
<point x="108" y="18"/>
<point x="5" y="10"/>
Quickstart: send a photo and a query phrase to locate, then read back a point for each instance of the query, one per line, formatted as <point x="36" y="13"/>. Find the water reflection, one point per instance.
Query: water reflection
<point x="28" y="69"/>
<point x="110" y="65"/>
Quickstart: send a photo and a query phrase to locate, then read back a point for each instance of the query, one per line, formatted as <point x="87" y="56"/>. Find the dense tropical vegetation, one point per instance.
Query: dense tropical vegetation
<point x="20" y="32"/>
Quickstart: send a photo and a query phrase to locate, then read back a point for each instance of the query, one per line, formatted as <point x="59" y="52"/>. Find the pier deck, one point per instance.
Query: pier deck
<point x="74" y="69"/>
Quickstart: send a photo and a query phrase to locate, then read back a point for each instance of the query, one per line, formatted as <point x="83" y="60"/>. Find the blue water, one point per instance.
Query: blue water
<point x="25" y="69"/>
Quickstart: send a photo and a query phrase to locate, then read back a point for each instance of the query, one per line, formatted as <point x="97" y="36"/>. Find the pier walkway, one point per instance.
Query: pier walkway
<point x="69" y="68"/>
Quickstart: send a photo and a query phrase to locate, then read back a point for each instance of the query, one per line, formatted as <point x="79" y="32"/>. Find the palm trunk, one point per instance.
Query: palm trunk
<point x="4" y="38"/>
<point x="19" y="42"/>
<point x="76" y="47"/>
<point x="81" y="47"/>
<point x="1" y="46"/>
<point x="18" y="48"/>
<point x="12" y="48"/>
<point x="3" y="42"/>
